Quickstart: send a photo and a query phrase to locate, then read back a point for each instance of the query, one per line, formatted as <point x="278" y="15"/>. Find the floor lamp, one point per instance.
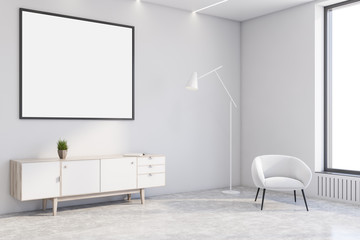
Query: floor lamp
<point x="193" y="85"/>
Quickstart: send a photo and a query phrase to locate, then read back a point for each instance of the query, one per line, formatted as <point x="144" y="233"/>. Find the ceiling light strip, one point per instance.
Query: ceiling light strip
<point x="212" y="5"/>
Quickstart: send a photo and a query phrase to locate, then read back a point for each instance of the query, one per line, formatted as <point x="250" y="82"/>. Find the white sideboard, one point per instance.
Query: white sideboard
<point x="86" y="177"/>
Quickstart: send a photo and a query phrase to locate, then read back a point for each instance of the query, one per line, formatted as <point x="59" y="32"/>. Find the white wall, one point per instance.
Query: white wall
<point x="190" y="128"/>
<point x="278" y="87"/>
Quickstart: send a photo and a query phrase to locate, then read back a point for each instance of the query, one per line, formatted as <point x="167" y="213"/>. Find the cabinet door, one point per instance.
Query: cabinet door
<point x="118" y="174"/>
<point x="80" y="177"/>
<point x="40" y="180"/>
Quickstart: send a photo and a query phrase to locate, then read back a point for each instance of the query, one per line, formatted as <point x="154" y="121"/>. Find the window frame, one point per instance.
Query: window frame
<point x="328" y="88"/>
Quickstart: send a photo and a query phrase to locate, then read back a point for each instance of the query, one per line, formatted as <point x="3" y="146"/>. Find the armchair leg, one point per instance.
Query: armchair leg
<point x="302" y="190"/>
<point x="263" y="197"/>
<point x="295" y="195"/>
<point x="257" y="193"/>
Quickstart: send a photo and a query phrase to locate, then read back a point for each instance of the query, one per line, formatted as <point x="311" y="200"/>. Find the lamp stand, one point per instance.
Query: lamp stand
<point x="193" y="85"/>
<point x="230" y="191"/>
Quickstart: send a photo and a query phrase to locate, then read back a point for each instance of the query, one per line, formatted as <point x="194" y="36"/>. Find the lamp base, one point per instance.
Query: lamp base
<point x="233" y="192"/>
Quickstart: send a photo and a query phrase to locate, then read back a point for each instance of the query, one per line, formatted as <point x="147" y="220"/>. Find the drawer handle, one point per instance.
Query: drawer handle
<point x="65" y="166"/>
<point x="150" y="166"/>
<point x="150" y="157"/>
<point x="150" y="174"/>
<point x="132" y="162"/>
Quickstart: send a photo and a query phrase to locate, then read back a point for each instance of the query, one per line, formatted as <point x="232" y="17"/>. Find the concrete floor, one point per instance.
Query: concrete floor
<point x="209" y="215"/>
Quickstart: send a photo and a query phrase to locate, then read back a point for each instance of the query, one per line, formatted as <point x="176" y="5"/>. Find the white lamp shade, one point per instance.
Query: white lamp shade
<point x="193" y="82"/>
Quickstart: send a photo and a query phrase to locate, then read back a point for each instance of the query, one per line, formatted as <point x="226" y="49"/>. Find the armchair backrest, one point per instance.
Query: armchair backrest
<point x="280" y="166"/>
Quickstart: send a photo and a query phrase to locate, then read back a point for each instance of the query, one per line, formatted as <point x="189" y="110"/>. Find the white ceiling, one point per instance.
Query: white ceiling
<point x="238" y="10"/>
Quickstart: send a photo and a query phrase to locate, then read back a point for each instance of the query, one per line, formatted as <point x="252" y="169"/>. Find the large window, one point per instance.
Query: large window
<point x="342" y="87"/>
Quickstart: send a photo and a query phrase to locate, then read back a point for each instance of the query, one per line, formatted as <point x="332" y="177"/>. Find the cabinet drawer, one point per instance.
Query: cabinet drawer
<point x="151" y="180"/>
<point x="151" y="169"/>
<point x="151" y="160"/>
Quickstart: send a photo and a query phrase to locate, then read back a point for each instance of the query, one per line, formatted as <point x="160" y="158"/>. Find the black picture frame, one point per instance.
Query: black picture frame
<point x="21" y="65"/>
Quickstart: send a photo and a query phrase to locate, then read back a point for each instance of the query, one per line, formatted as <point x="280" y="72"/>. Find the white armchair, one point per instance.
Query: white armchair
<point x="280" y="173"/>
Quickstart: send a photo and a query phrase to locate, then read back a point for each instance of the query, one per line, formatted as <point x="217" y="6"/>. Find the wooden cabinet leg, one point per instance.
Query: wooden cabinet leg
<point x="55" y="203"/>
<point x="129" y="197"/>
<point x="142" y="195"/>
<point x="44" y="204"/>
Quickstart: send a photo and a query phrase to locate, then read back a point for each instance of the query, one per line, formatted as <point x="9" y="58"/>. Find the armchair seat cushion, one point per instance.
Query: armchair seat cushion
<point x="283" y="184"/>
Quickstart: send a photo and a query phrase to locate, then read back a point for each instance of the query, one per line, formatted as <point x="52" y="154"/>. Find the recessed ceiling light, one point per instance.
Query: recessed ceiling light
<point x="212" y="5"/>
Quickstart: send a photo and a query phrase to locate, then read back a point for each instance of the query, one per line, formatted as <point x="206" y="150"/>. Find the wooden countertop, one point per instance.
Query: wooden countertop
<point x="80" y="158"/>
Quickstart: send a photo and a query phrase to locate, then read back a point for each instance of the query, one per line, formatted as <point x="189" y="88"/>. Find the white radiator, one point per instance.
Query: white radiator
<point x="338" y="187"/>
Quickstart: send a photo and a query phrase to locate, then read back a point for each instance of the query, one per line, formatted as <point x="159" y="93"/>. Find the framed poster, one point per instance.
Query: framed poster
<point x="75" y="68"/>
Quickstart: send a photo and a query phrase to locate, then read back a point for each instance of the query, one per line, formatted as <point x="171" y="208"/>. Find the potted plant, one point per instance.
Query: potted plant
<point x="62" y="148"/>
